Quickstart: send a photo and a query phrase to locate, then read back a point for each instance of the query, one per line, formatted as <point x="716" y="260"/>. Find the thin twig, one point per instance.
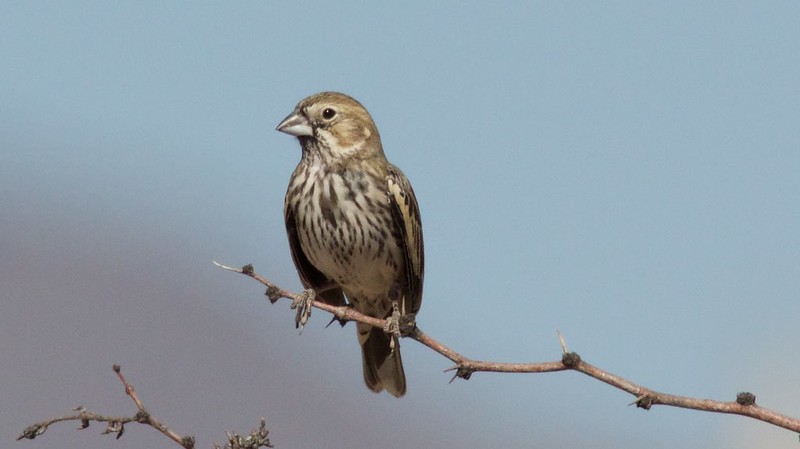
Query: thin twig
<point x="114" y="424"/>
<point x="645" y="398"/>
<point x="564" y="349"/>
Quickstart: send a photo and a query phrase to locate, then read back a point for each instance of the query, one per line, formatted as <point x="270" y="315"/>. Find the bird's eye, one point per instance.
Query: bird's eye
<point x="328" y="114"/>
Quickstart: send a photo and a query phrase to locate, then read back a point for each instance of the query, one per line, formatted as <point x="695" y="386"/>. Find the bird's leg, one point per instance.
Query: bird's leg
<point x="399" y="324"/>
<point x="393" y="321"/>
<point x="303" y="304"/>
<point x="392" y="326"/>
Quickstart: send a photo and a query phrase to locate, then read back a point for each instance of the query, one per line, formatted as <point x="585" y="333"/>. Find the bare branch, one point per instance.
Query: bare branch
<point x="645" y="398"/>
<point x="116" y="424"/>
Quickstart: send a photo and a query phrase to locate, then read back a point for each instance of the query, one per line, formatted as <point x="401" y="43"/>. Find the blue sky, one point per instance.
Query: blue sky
<point x="624" y="172"/>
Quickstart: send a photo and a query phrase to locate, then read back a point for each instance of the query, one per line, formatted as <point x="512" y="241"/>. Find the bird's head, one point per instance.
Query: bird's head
<point x="335" y="125"/>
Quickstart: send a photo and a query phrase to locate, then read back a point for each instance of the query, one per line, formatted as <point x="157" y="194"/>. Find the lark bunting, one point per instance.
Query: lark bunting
<point x="354" y="225"/>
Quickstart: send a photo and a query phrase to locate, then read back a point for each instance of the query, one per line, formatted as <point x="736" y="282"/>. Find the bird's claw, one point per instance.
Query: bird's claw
<point x="392" y="326"/>
<point x="393" y="321"/>
<point x="399" y="325"/>
<point x="303" y="304"/>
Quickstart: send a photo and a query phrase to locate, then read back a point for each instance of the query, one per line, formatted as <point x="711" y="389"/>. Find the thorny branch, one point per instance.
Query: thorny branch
<point x="645" y="398"/>
<point x="116" y="424"/>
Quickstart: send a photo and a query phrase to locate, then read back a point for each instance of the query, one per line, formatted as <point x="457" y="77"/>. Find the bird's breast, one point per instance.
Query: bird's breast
<point x="346" y="230"/>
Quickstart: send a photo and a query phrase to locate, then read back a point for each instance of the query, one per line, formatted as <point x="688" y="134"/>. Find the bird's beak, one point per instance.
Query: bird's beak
<point x="296" y="124"/>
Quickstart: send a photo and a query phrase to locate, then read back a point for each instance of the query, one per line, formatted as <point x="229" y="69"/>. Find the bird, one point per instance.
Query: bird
<point x="354" y="226"/>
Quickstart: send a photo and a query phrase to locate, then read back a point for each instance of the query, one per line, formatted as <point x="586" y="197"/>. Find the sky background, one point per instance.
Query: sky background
<point x="625" y="172"/>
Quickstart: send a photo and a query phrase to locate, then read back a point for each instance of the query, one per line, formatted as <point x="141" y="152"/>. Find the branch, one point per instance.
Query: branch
<point x="645" y="398"/>
<point x="116" y="424"/>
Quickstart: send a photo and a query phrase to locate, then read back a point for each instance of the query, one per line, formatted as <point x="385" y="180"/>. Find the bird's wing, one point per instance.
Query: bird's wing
<point x="405" y="213"/>
<point x="326" y="290"/>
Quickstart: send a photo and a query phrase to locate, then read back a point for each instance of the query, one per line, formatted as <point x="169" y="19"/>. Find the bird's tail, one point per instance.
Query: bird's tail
<point x="383" y="367"/>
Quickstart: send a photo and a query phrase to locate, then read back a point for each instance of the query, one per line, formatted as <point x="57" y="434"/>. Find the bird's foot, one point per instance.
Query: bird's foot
<point x="392" y="325"/>
<point x="400" y="325"/>
<point x="303" y="304"/>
